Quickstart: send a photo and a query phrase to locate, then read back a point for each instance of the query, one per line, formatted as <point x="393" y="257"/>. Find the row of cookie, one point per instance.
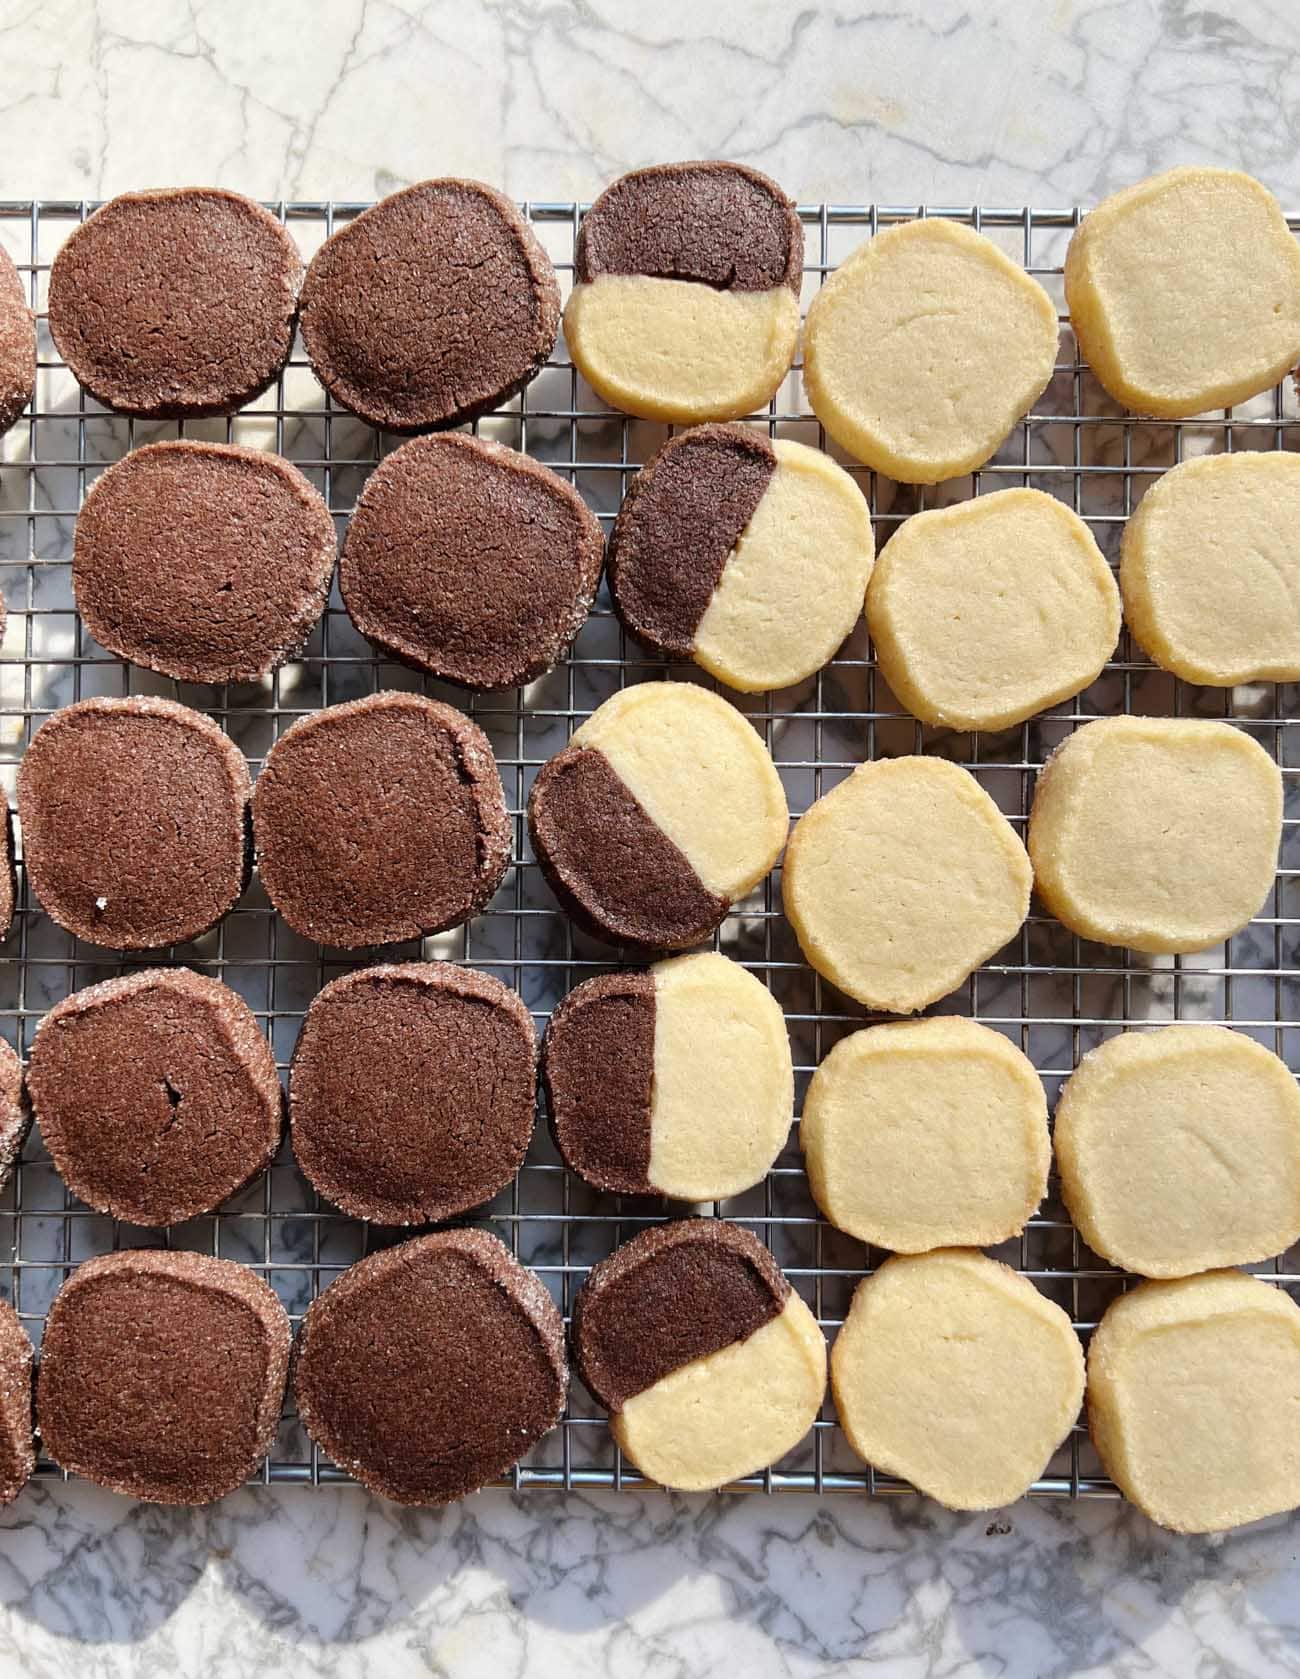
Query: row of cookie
<point x="431" y="1368"/>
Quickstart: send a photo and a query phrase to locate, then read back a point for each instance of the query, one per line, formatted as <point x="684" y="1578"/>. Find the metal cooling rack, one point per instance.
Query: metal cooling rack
<point x="1054" y="995"/>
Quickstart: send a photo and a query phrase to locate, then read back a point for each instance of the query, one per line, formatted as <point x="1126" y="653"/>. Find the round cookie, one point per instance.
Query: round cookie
<point x="379" y="820"/>
<point x="1179" y="1150"/>
<point x="926" y="1134"/>
<point x="162" y="1374"/>
<point x="987" y="612"/>
<point x="1184" y="292"/>
<point x="203" y="561"/>
<point x="663" y="809"/>
<point x="673" y="1081"/>
<point x="746" y="555"/>
<point x="685" y="304"/>
<point x="466" y="315"/>
<point x="8" y="871"/>
<point x="1210" y="572"/>
<point x="15" y="1114"/>
<point x="135" y="821"/>
<point x="17" y="1445"/>
<point x="156" y="1094"/>
<point x="470" y="561"/>
<point x="954" y="1373"/>
<point x="710" y="1366"/>
<point x="901" y="880"/>
<point x="1158" y="833"/>
<point x="429" y="1369"/>
<point x="1191" y="1395"/>
<point x="176" y="303"/>
<point x="17" y="350"/>
<point x="411" y="1091"/>
<point x="924" y="348"/>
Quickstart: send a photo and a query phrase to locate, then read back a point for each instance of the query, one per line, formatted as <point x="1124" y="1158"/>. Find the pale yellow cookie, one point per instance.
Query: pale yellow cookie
<point x="926" y="1134"/>
<point x="1179" y="1150"/>
<point x="1184" y="292"/>
<point x="984" y="613"/>
<point x="1210" y="569"/>
<point x="1159" y="833"/>
<point x="956" y="1374"/>
<point x="900" y="881"/>
<point x="924" y="348"/>
<point x="1194" y="1400"/>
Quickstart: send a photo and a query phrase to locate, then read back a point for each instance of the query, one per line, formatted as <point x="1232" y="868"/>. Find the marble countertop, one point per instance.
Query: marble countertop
<point x="1052" y="103"/>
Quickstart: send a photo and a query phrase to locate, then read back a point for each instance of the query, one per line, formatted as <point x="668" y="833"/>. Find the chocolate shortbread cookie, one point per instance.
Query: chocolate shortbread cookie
<point x="17" y="350"/>
<point x="15" y="1111"/>
<point x="379" y="820"/>
<point x="176" y="303"/>
<point x="470" y="561"/>
<point x="674" y="1081"/>
<point x="203" y="561"/>
<point x="429" y="1369"/>
<point x="710" y="1365"/>
<point x="686" y="301"/>
<point x="412" y="1089"/>
<point x="156" y="1093"/>
<point x="162" y="1374"/>
<point x="430" y="308"/>
<point x="135" y="821"/>
<point x="17" y="1447"/>
<point x="748" y="556"/>
<point x="662" y="810"/>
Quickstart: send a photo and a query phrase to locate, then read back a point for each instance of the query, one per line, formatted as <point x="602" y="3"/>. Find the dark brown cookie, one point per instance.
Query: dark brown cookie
<point x="412" y="1090"/>
<point x="8" y="872"/>
<point x="429" y="1369"/>
<point x="17" y="1447"/>
<point x="679" y="521"/>
<point x="15" y="1112"/>
<point x="162" y="1374"/>
<point x="204" y="561"/>
<point x="17" y="350"/>
<point x="176" y="303"/>
<point x="470" y="561"/>
<point x="379" y="820"/>
<point x="464" y="316"/>
<point x="135" y="821"/>
<point x="614" y="870"/>
<point x="598" y="1060"/>
<point x="721" y="224"/>
<point x="156" y="1094"/>
<point x="674" y="1293"/>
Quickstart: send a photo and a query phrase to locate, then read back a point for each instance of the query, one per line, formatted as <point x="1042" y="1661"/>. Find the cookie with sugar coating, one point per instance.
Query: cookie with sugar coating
<point x="1184" y="292"/>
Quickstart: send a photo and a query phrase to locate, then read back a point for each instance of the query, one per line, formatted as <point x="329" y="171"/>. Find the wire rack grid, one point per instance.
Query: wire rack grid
<point x="1052" y="994"/>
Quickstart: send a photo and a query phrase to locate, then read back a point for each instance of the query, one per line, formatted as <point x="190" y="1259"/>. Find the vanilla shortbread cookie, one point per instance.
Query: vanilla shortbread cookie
<point x="748" y="556"/>
<point x="1210" y="569"/>
<point x="924" y="348"/>
<point x="676" y="1080"/>
<point x="710" y="1366"/>
<point x="956" y="1374"/>
<point x="902" y="880"/>
<point x="662" y="810"/>
<point x="1184" y="292"/>
<point x="1159" y="833"/>
<point x="685" y="305"/>
<point x="1179" y="1150"/>
<point x="1191" y="1400"/>
<point x="984" y="613"/>
<point x="925" y="1134"/>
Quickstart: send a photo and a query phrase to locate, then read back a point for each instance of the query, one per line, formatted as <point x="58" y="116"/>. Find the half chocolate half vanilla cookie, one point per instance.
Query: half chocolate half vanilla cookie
<point x="663" y="809"/>
<point x="710" y="1366"/>
<point x="686" y="301"/>
<point x="673" y="1080"/>
<point x="749" y="556"/>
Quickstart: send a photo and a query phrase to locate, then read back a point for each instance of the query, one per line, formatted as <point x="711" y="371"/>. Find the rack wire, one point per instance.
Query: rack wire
<point x="1054" y="995"/>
